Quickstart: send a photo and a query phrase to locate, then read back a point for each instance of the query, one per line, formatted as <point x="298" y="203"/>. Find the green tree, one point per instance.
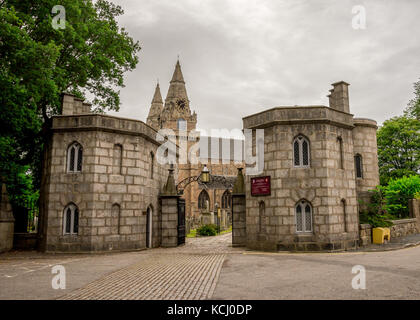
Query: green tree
<point x="398" y="148"/>
<point x="398" y="192"/>
<point x="413" y="108"/>
<point x="38" y="62"/>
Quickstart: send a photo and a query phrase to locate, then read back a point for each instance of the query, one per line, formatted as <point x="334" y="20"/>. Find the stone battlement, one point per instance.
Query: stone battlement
<point x="298" y="115"/>
<point x="106" y="123"/>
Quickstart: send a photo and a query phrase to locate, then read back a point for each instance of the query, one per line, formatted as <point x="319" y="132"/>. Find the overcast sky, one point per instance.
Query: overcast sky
<point x="243" y="56"/>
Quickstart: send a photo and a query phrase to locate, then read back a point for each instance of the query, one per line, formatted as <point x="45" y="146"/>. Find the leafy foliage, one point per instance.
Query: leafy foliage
<point x="207" y="230"/>
<point x="375" y="213"/>
<point x="413" y="108"/>
<point x="390" y="202"/>
<point x="398" y="192"/>
<point x="398" y="148"/>
<point x="37" y="63"/>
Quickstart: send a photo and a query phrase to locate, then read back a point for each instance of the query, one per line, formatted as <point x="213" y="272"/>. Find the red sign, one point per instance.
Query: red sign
<point x="261" y="186"/>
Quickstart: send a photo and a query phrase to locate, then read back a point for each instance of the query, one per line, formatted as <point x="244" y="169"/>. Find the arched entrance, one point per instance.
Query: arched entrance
<point x="149" y="227"/>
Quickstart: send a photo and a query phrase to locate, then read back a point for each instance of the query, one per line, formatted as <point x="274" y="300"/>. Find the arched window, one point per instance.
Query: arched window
<point x="203" y="200"/>
<point x="74" y="157"/>
<point x="71" y="219"/>
<point x="359" y="165"/>
<point x="301" y="152"/>
<point x="343" y="206"/>
<point x="341" y="153"/>
<point x="181" y="124"/>
<point x="117" y="159"/>
<point x="226" y="200"/>
<point x="261" y="214"/>
<point x="303" y="216"/>
<point x="116" y="218"/>
<point x="152" y="164"/>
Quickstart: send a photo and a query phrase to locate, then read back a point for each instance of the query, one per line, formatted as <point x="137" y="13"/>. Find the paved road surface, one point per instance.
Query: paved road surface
<point x="210" y="268"/>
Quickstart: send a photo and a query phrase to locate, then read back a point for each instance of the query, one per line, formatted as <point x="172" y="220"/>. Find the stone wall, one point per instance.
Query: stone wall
<point x="169" y="221"/>
<point x="400" y="228"/>
<point x="414" y="207"/>
<point x="324" y="185"/>
<point x="6" y="221"/>
<point x="239" y="225"/>
<point x="365" y="231"/>
<point x="364" y="144"/>
<point x="108" y="178"/>
<point x="403" y="227"/>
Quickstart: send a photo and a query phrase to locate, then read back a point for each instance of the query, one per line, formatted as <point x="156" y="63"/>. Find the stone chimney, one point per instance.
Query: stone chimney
<point x="71" y="105"/>
<point x="339" y="96"/>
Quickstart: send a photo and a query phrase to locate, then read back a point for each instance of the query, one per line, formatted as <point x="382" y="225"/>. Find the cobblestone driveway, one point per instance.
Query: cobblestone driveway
<point x="186" y="272"/>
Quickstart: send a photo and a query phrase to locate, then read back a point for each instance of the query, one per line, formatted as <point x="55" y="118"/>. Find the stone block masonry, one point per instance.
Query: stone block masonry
<point x="169" y="221"/>
<point x="115" y="188"/>
<point x="400" y="228"/>
<point x="313" y="203"/>
<point x="238" y="220"/>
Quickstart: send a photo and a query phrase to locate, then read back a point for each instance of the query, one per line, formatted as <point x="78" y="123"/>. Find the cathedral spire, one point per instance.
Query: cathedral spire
<point x="157" y="97"/>
<point x="176" y="111"/>
<point x="156" y="108"/>
<point x="177" y="88"/>
<point x="177" y="76"/>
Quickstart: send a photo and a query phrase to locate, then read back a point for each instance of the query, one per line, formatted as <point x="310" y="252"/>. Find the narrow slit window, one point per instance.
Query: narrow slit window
<point x="359" y="166"/>
<point x="341" y="153"/>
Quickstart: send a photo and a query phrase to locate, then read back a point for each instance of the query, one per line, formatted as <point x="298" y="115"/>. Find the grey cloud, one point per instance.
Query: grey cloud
<point x="241" y="57"/>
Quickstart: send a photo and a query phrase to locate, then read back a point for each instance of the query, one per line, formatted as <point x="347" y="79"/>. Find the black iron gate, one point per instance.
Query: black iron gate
<point x="181" y="221"/>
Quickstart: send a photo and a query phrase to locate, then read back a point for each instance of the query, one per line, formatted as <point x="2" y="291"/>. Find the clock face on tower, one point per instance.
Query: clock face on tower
<point x="181" y="104"/>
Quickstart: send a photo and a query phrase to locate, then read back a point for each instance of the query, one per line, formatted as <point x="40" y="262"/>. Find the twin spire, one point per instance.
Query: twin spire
<point x="176" y="92"/>
<point x="157" y="97"/>
<point x="176" y="88"/>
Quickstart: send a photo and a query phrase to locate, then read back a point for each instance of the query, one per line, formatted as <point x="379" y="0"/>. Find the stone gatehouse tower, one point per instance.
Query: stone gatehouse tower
<point x="321" y="161"/>
<point x="101" y="183"/>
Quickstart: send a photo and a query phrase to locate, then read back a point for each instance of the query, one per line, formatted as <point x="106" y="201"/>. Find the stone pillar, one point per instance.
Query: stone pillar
<point x="169" y="221"/>
<point x="169" y="198"/>
<point x="414" y="207"/>
<point x="6" y="222"/>
<point x="239" y="212"/>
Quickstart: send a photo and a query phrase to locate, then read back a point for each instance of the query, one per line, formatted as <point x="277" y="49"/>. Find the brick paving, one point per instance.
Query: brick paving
<point x="187" y="272"/>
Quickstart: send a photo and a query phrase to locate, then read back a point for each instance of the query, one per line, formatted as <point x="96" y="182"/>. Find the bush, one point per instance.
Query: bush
<point x="398" y="192"/>
<point x="376" y="213"/>
<point x="207" y="230"/>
